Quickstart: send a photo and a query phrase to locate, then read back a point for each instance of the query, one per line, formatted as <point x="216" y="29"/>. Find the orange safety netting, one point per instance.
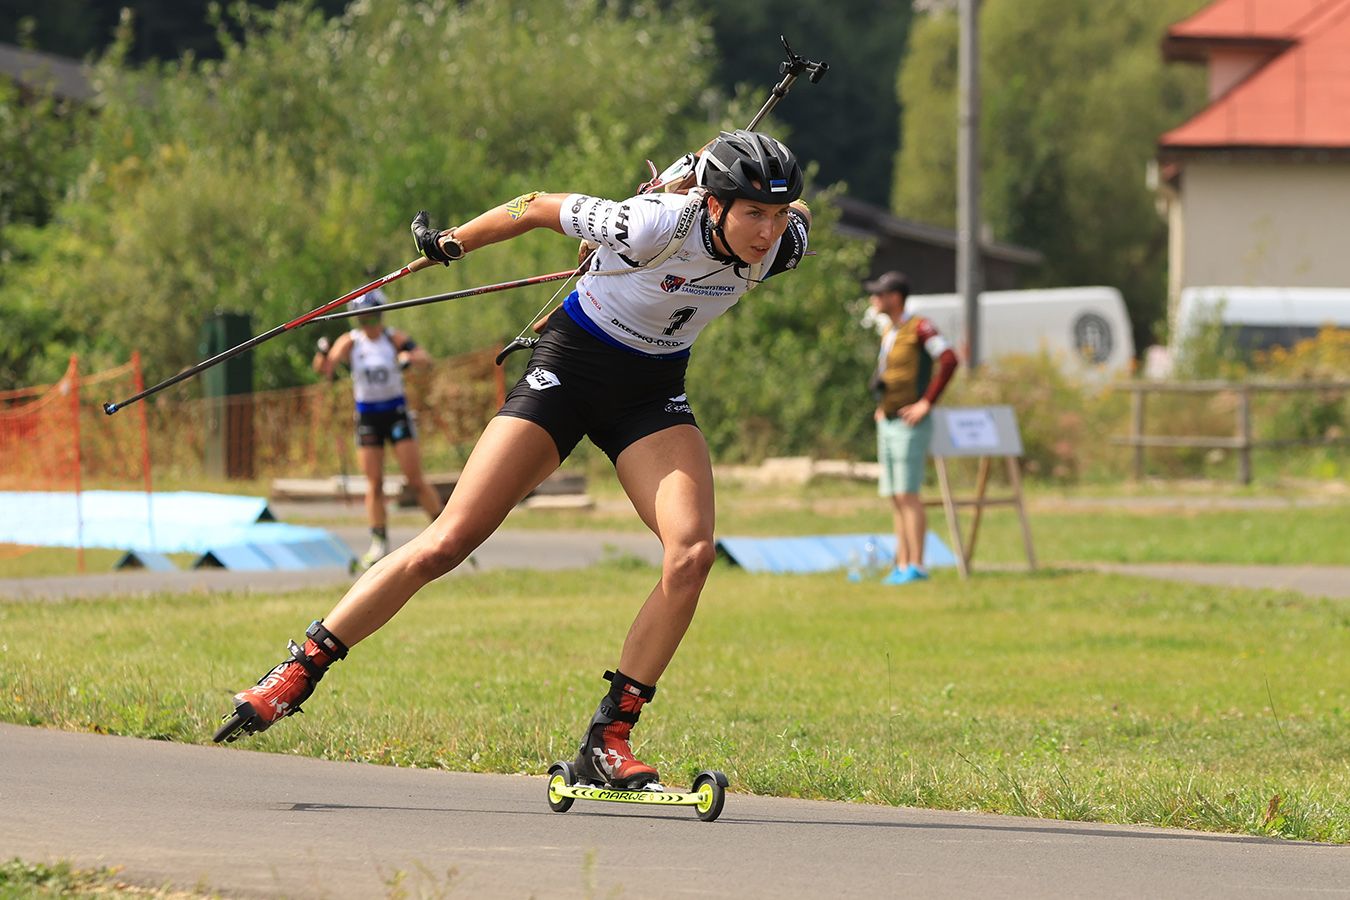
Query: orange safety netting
<point x="37" y="451"/>
<point x="57" y="437"/>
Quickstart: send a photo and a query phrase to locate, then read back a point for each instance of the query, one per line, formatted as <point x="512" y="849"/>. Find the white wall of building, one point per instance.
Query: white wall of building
<point x="1265" y="223"/>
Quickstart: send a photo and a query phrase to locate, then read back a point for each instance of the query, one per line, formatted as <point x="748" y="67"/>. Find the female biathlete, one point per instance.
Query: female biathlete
<point x="610" y="366"/>
<point x="377" y="356"/>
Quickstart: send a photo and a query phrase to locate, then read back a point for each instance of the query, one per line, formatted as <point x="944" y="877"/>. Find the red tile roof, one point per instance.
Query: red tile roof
<point x="1298" y="100"/>
<point x="1230" y="19"/>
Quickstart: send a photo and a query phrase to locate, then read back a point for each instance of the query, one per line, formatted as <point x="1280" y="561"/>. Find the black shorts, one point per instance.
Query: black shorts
<point x="374" y="428"/>
<point x="575" y="385"/>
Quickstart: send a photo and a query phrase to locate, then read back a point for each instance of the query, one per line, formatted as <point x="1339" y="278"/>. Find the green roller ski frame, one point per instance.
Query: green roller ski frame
<point x="707" y="796"/>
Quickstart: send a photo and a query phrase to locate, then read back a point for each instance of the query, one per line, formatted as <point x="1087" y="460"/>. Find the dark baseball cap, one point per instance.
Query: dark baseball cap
<point x="886" y="282"/>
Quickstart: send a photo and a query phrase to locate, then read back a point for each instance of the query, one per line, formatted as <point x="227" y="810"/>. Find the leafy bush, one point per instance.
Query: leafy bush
<point x="1066" y="425"/>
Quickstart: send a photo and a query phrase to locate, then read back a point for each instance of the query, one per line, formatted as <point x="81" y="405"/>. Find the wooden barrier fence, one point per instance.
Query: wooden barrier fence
<point x="1241" y="440"/>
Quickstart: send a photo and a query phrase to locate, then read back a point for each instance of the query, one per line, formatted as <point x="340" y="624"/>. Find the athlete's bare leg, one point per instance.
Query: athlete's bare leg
<point x="668" y="477"/>
<point x="409" y="457"/>
<point x="511" y="458"/>
<point x="372" y="464"/>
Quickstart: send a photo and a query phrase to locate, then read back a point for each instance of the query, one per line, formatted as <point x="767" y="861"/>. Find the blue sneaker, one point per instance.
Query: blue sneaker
<point x="906" y="575"/>
<point x="899" y="576"/>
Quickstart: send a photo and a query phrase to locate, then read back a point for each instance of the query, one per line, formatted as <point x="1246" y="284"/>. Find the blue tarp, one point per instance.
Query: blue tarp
<point x="227" y="530"/>
<point x="177" y="522"/>
<point x="825" y="552"/>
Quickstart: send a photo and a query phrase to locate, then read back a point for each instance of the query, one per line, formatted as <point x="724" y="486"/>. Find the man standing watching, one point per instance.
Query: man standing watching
<point x="906" y="387"/>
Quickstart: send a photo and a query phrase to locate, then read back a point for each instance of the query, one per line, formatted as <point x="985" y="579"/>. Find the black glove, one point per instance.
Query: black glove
<point x="428" y="244"/>
<point x="323" y="345"/>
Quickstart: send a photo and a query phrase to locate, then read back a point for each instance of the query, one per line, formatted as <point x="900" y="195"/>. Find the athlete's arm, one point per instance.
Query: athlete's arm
<point x="337" y="354"/>
<point x="409" y="353"/>
<point x="512" y="219"/>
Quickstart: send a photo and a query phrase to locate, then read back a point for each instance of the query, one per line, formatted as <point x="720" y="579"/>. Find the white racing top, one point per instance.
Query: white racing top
<point x="659" y="311"/>
<point x="377" y="383"/>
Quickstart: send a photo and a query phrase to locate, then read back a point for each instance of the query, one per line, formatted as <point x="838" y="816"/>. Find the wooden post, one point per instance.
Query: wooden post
<point x="1244" y="435"/>
<point x="953" y="526"/>
<point x="1137" y="430"/>
<point x="981" y="482"/>
<point x="1015" y="478"/>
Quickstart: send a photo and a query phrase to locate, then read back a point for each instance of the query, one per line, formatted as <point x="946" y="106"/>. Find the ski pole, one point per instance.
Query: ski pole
<point x="453" y="295"/>
<point x="416" y="265"/>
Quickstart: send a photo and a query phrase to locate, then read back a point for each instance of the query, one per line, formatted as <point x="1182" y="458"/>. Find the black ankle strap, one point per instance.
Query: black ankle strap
<point x="335" y="649"/>
<point x="620" y="681"/>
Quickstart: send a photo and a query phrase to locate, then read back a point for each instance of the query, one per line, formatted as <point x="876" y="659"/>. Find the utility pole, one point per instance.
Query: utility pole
<point x="968" y="260"/>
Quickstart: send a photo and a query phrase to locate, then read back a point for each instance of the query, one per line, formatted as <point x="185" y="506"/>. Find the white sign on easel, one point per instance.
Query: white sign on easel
<point x="976" y="431"/>
<point x="984" y="432"/>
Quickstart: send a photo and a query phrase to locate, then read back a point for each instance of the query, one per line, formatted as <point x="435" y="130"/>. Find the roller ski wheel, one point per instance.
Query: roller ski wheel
<point x="707" y="796"/>
<point x="231" y="728"/>
<point x="560" y="775"/>
<point x="711" y="790"/>
<point x="243" y="721"/>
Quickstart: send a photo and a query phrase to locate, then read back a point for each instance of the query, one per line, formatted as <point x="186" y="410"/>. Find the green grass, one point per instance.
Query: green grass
<point x="19" y="879"/>
<point x="1064" y="695"/>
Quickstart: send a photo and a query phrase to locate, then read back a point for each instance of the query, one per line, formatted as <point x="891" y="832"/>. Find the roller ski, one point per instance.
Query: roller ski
<point x="706" y="796"/>
<point x="606" y="769"/>
<point x="280" y="692"/>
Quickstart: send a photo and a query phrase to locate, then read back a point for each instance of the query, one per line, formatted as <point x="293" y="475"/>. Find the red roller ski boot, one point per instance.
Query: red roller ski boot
<point x="281" y="691"/>
<point x="605" y="757"/>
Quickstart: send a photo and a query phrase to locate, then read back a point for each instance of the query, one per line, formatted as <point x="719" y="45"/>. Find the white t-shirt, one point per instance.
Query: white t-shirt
<point x="659" y="311"/>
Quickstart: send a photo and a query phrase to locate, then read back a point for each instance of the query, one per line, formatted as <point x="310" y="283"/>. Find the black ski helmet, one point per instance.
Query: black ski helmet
<point x="737" y="160"/>
<point x="369" y="302"/>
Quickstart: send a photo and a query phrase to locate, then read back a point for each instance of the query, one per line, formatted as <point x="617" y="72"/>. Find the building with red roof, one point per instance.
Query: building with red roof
<point x="1257" y="184"/>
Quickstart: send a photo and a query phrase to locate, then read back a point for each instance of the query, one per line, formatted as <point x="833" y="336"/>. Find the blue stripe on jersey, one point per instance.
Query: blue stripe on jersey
<point x="572" y="306"/>
<point x="379" y="406"/>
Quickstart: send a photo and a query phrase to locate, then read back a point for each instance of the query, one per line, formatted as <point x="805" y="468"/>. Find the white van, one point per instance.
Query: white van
<point x="1085" y="328"/>
<point x="1258" y="318"/>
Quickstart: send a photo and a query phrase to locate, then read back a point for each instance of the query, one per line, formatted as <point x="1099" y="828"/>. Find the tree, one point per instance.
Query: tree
<point x="1075" y="96"/>
<point x="163" y="29"/>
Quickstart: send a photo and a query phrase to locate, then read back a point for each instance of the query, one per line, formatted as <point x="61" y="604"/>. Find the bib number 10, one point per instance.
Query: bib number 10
<point x="678" y="319"/>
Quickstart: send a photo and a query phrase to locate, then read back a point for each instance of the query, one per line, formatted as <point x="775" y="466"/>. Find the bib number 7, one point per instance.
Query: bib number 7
<point x="678" y="319"/>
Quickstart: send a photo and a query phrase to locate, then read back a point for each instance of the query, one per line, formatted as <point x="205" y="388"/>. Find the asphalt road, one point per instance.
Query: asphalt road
<point x="249" y="824"/>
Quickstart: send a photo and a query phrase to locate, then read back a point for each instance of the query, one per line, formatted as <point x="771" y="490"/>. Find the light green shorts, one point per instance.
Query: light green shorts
<point x="902" y="451"/>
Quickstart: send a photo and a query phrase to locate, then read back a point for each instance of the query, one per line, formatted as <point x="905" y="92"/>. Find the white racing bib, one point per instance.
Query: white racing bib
<point x="376" y="379"/>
